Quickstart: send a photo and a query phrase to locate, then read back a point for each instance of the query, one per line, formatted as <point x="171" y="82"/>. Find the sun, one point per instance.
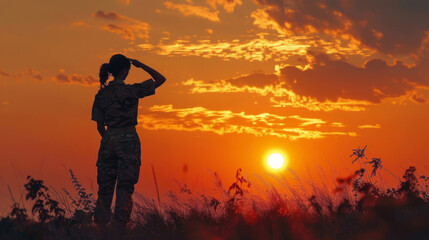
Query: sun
<point x="275" y="161"/>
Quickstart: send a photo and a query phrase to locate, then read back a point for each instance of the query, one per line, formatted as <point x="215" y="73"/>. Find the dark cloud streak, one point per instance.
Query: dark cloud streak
<point x="390" y="26"/>
<point x="333" y="79"/>
<point x="62" y="77"/>
<point x="107" y="15"/>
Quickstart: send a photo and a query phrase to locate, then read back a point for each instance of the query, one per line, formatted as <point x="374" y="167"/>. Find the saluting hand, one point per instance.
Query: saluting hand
<point x="136" y="63"/>
<point x="157" y="77"/>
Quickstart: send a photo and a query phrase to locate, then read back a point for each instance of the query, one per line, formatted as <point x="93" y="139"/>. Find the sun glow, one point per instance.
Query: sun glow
<point x="275" y="161"/>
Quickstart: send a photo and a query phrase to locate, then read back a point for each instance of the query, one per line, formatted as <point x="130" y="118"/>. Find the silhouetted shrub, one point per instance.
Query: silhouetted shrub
<point x="44" y="206"/>
<point x="356" y="209"/>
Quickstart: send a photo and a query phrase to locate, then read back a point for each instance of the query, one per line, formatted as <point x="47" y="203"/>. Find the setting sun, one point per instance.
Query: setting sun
<point x="276" y="160"/>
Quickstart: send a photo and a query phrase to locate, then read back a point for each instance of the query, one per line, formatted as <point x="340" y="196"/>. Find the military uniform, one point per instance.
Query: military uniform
<point x="116" y="106"/>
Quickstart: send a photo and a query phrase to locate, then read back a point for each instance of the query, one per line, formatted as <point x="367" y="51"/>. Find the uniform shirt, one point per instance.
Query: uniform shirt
<point x="116" y="104"/>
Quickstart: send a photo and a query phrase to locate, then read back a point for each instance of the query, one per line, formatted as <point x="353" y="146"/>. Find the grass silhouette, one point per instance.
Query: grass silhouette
<point x="356" y="209"/>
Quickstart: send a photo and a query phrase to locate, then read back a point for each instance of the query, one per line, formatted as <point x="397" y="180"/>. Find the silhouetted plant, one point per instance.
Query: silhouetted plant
<point x="185" y="189"/>
<point x="317" y="207"/>
<point x="85" y="202"/>
<point x="408" y="188"/>
<point x="210" y="201"/>
<point x="345" y="208"/>
<point x="360" y="154"/>
<point x="18" y="213"/>
<point x="237" y="188"/>
<point x="425" y="180"/>
<point x="376" y="165"/>
<point x="238" y="184"/>
<point x="395" y="213"/>
<point x="46" y="208"/>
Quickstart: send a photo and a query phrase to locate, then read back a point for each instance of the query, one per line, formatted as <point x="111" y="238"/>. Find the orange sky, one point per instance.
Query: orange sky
<point x="244" y="77"/>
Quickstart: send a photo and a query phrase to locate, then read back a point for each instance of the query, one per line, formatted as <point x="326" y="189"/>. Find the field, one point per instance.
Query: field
<point x="356" y="209"/>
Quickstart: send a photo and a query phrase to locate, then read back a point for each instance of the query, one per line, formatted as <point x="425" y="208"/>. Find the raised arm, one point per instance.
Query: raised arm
<point x="159" y="79"/>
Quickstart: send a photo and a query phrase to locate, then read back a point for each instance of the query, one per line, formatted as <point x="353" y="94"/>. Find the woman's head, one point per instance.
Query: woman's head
<point x="118" y="64"/>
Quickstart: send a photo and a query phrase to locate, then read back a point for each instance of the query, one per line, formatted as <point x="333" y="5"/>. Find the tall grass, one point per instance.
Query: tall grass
<point x="355" y="209"/>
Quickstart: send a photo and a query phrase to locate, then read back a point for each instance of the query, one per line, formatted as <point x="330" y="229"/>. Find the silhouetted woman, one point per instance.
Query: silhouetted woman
<point x="115" y="107"/>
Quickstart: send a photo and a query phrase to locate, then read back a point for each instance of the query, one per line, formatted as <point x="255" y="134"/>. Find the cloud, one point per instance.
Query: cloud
<point x="228" y="5"/>
<point x="116" y="17"/>
<point x="127" y="27"/>
<point x="127" y="32"/>
<point x="259" y="80"/>
<point x="390" y="26"/>
<point x="191" y="10"/>
<point x="4" y="74"/>
<point x="34" y="74"/>
<point x="278" y="49"/>
<point x="418" y="98"/>
<point x="124" y="26"/>
<point x="376" y="80"/>
<point x="61" y="77"/>
<point x="313" y="104"/>
<point x="270" y="86"/>
<point x="108" y="15"/>
<point x="227" y="122"/>
<point x="327" y="84"/>
<point x="369" y="126"/>
<point x="309" y="121"/>
<point x="337" y="124"/>
<point x="75" y="78"/>
<point x="263" y="20"/>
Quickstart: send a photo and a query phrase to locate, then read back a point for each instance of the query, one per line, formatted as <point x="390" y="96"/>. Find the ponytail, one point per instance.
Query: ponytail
<point x="117" y="63"/>
<point x="104" y="74"/>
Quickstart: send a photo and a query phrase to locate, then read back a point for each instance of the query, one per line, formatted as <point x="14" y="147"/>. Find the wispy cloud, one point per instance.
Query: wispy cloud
<point x="108" y="15"/>
<point x="4" y="74"/>
<point x="278" y="48"/>
<point x="418" y="98"/>
<point x="326" y="84"/>
<point x="34" y="74"/>
<point x="63" y="77"/>
<point x="337" y="124"/>
<point x="387" y="26"/>
<point x="312" y="104"/>
<point x="228" y="5"/>
<point x="191" y="10"/>
<point x="278" y="95"/>
<point x="128" y="28"/>
<point x="369" y="126"/>
<point x="128" y="32"/>
<point x="227" y="122"/>
<point x="331" y="79"/>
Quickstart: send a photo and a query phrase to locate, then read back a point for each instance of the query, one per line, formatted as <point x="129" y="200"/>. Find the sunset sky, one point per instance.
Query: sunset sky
<point x="311" y="79"/>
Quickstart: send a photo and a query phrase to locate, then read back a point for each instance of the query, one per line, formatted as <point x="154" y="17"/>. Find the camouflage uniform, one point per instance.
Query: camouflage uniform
<point x="118" y="162"/>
